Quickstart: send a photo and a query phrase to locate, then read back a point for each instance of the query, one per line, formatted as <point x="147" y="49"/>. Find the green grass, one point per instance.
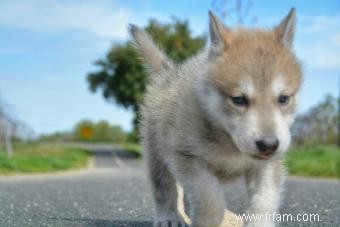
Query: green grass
<point x="34" y="158"/>
<point x="314" y="161"/>
<point x="310" y="161"/>
<point x="133" y="148"/>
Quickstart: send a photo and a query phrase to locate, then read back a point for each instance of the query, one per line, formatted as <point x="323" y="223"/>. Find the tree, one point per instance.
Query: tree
<point x="238" y="11"/>
<point x="121" y="77"/>
<point x="6" y="131"/>
<point x="319" y="124"/>
<point x="8" y="127"/>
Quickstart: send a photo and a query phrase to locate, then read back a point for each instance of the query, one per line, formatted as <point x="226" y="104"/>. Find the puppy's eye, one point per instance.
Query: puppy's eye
<point x="239" y="100"/>
<point x="283" y="99"/>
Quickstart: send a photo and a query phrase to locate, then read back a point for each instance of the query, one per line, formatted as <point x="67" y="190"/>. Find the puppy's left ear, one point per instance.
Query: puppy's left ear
<point x="220" y="35"/>
<point x="286" y="29"/>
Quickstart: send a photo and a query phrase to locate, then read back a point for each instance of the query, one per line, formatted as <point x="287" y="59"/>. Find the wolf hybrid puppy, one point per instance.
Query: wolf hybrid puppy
<point x="222" y="114"/>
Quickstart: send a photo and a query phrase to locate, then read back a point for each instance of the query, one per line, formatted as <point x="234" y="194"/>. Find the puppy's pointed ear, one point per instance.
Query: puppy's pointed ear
<point x="286" y="29"/>
<point x="155" y="59"/>
<point x="220" y="36"/>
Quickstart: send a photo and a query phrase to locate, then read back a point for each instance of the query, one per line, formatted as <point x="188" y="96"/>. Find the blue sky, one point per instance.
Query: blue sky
<point x="48" y="46"/>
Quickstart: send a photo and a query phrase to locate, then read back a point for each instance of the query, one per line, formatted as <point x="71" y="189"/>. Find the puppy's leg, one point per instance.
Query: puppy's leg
<point x="165" y="194"/>
<point x="205" y="195"/>
<point x="186" y="204"/>
<point x="264" y="188"/>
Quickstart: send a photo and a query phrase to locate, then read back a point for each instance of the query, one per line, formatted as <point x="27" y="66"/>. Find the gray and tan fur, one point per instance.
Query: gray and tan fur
<point x="195" y="131"/>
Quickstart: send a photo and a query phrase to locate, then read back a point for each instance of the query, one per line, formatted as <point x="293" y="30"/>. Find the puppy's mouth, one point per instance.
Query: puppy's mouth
<point x="261" y="156"/>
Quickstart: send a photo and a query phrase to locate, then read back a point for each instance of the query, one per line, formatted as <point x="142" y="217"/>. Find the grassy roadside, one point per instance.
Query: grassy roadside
<point x="311" y="161"/>
<point x="34" y="158"/>
<point x="314" y="161"/>
<point x="133" y="148"/>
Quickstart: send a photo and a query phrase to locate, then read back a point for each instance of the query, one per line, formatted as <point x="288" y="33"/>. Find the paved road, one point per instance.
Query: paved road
<point x="116" y="193"/>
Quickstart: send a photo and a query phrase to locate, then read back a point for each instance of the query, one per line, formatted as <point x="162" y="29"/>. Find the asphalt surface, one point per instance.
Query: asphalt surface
<point x="116" y="193"/>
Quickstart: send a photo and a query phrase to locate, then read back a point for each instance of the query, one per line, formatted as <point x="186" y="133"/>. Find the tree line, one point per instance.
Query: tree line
<point x="89" y="131"/>
<point x="319" y="125"/>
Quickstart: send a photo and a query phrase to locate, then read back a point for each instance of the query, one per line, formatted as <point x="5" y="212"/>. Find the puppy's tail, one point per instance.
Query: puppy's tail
<point x="155" y="60"/>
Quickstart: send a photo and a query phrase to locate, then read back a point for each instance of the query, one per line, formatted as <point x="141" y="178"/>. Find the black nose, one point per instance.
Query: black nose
<point x="267" y="147"/>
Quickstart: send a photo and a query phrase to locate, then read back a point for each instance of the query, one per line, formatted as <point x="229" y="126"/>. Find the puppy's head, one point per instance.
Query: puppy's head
<point x="251" y="86"/>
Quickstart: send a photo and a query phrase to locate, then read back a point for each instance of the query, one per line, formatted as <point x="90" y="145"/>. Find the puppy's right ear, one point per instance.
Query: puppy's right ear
<point x="286" y="29"/>
<point x="155" y="59"/>
<point x="220" y="35"/>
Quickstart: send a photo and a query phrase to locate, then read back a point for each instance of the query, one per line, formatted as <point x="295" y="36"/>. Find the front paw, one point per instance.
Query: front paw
<point x="170" y="223"/>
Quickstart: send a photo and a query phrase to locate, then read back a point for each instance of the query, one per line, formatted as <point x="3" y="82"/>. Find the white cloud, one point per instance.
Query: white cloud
<point x="315" y="24"/>
<point x="336" y="39"/>
<point x="321" y="56"/>
<point x="100" y="18"/>
<point x="318" y="42"/>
